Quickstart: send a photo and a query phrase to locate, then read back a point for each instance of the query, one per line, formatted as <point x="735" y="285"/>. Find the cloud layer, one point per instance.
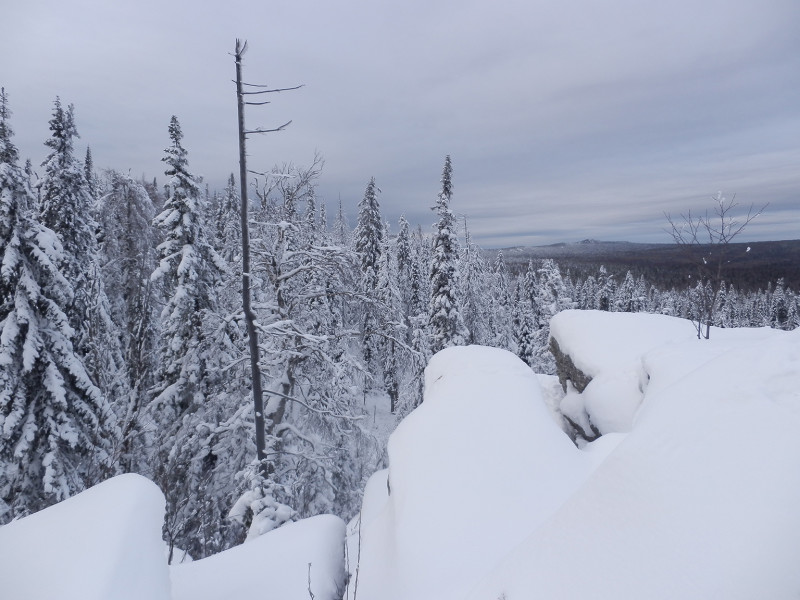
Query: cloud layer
<point x="564" y="120"/>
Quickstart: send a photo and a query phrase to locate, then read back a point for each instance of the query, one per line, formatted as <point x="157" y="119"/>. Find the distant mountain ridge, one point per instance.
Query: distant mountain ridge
<point x="749" y="265"/>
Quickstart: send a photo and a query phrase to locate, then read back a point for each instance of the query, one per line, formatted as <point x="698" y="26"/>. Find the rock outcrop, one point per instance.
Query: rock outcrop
<point x="566" y="369"/>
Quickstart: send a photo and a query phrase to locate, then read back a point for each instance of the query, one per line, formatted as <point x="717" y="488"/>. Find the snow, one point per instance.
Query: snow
<point x="103" y="543"/>
<point x="609" y="347"/>
<point x="700" y="498"/>
<point x="476" y="466"/>
<point x="274" y="565"/>
<point x="697" y="499"/>
<point x="106" y="543"/>
<point x="693" y="496"/>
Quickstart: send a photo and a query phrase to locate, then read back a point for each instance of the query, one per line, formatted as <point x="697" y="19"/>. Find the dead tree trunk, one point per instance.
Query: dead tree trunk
<point x="249" y="315"/>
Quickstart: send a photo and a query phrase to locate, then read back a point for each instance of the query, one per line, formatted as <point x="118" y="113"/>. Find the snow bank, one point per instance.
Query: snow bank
<point x="274" y="565"/>
<point x="100" y="544"/>
<point x="478" y="465"/>
<point x="610" y="348"/>
<point x="698" y="501"/>
<point x="490" y="500"/>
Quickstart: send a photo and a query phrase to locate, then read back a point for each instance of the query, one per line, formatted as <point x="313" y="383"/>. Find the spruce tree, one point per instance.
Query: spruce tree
<point x="56" y="429"/>
<point x="189" y="272"/>
<point x="446" y="324"/>
<point x="369" y="236"/>
<point x="127" y="254"/>
<point x="66" y="208"/>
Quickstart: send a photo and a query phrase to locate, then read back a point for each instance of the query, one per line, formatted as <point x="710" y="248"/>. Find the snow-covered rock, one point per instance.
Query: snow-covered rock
<point x="274" y="565"/>
<point x="608" y="349"/>
<point x="476" y="466"/>
<point x="100" y="544"/>
<point x="486" y="498"/>
<point x="700" y="498"/>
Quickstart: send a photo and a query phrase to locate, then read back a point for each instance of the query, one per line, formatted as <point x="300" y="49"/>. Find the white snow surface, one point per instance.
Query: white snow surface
<point x="696" y="495"/>
<point x="698" y="499"/>
<point x="102" y="543"/>
<point x="274" y="565"/>
<point x="105" y="543"/>
<point x="610" y="348"/>
<point x="478" y="465"/>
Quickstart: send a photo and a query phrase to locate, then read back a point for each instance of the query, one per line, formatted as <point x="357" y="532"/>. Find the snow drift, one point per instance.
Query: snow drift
<point x="102" y="543"/>
<point x="478" y="465"/>
<point x="105" y="543"/>
<point x="490" y="500"/>
<point x="285" y="563"/>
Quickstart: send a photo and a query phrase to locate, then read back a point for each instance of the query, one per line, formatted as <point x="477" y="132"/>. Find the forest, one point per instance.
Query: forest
<point x="123" y="346"/>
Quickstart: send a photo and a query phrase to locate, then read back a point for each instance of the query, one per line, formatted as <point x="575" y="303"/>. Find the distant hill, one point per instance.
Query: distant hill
<point x="749" y="266"/>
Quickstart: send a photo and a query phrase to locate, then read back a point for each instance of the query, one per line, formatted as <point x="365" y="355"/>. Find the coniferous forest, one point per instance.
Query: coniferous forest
<point x="123" y="345"/>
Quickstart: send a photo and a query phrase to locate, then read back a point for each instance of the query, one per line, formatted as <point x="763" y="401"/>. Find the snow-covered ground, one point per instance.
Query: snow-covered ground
<point x="692" y="492"/>
<point x="694" y="496"/>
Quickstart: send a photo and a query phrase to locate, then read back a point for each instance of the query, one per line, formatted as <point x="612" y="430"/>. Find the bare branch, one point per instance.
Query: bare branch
<point x="281" y="128"/>
<point x="271" y="91"/>
<point x="297" y="87"/>
<point x="718" y="230"/>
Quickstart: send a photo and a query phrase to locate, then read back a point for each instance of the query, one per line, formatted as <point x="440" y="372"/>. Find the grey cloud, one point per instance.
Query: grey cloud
<point x="564" y="120"/>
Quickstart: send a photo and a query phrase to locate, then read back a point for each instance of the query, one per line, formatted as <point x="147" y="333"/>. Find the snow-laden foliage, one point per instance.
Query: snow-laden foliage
<point x="310" y="364"/>
<point x="56" y="428"/>
<point x="184" y="410"/>
<point x="66" y="208"/>
<point x="445" y="321"/>
<point x="127" y="250"/>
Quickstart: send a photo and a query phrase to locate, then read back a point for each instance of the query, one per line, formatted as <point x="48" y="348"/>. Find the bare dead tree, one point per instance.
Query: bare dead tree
<point x="249" y="314"/>
<point x="706" y="239"/>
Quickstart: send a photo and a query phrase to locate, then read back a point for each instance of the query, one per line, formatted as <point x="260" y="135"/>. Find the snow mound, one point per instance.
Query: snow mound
<point x="102" y="543"/>
<point x="473" y="469"/>
<point x="274" y="565"/>
<point x="611" y="348"/>
<point x="486" y="498"/>
<point x="698" y="501"/>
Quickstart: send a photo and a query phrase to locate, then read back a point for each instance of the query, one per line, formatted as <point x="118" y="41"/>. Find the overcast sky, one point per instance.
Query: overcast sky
<point x="565" y="119"/>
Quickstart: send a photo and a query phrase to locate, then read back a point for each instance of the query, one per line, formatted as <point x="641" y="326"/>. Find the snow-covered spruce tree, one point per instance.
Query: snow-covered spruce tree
<point x="392" y="324"/>
<point x="189" y="272"/>
<point x="369" y="234"/>
<point x="525" y="330"/>
<point x="66" y="208"/>
<point x="341" y="229"/>
<point x="89" y="173"/>
<point x="56" y="428"/>
<point x="128" y="257"/>
<point x="502" y="333"/>
<point x="445" y="322"/>
<point x="228" y="240"/>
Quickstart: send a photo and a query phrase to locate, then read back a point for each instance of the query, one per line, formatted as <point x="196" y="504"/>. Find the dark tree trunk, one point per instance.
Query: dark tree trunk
<point x="249" y="315"/>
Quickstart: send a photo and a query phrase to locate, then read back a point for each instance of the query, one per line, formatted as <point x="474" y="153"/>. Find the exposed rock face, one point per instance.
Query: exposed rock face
<point x="566" y="369"/>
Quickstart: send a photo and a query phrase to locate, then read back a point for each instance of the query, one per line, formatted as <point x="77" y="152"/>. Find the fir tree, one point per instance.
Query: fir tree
<point x="189" y="271"/>
<point x="228" y="231"/>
